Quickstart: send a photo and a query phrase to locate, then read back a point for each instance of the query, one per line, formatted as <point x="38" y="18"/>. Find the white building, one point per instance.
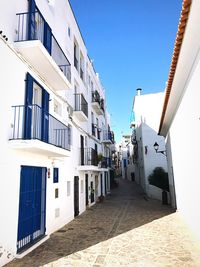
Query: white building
<point x="147" y="109"/>
<point x="53" y="124"/>
<point x="180" y="120"/>
<point x="125" y="149"/>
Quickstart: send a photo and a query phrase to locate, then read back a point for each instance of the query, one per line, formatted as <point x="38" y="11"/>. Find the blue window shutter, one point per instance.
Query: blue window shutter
<point x="28" y="106"/>
<point x="31" y="20"/>
<point x="55" y="175"/>
<point x="45" y="115"/>
<point x="47" y="37"/>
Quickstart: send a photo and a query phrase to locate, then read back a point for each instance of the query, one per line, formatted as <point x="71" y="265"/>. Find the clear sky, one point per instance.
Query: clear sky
<point x="131" y="43"/>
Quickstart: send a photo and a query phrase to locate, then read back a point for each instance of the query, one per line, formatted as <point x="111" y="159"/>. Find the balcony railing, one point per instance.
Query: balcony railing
<point x="108" y="136"/>
<point x="89" y="156"/>
<point x="105" y="162"/>
<point x="81" y="104"/>
<point x="102" y="104"/>
<point x="32" y="26"/>
<point x="32" y="122"/>
<point x="96" y="97"/>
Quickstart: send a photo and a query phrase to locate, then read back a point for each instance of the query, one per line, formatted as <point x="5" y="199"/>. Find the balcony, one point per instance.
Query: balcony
<point x="37" y="131"/>
<point x="88" y="160"/>
<point x="81" y="108"/>
<point x="36" y="43"/>
<point x="108" y="137"/>
<point x="97" y="103"/>
<point x="106" y="162"/>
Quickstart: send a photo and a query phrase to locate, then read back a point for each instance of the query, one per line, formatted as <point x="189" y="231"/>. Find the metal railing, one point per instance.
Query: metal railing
<point x="81" y="104"/>
<point x="102" y="104"/>
<point x="32" y="122"/>
<point x="108" y="135"/>
<point x="96" y="97"/>
<point x="89" y="156"/>
<point x="37" y="30"/>
<point x="106" y="162"/>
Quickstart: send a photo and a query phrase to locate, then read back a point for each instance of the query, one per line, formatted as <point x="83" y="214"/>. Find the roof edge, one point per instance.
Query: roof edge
<point x="177" y="47"/>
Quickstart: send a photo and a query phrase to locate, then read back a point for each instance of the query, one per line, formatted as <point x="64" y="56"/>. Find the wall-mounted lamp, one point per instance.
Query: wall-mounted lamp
<point x="156" y="147"/>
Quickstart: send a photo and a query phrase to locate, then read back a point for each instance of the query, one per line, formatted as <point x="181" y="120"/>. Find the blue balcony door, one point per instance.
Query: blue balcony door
<point x="38" y="28"/>
<point x="36" y="124"/>
<point x="32" y="21"/>
<point x="32" y="206"/>
<point x="47" y="37"/>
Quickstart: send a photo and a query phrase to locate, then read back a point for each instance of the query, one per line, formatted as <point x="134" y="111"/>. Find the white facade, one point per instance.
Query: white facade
<point x="53" y="123"/>
<point x="147" y="109"/>
<point x="181" y="125"/>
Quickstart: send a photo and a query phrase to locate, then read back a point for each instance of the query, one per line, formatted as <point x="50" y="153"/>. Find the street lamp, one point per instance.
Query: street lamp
<point x="156" y="147"/>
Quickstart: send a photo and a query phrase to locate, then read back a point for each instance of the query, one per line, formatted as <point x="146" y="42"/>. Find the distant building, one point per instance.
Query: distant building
<point x="147" y="109"/>
<point x="126" y="160"/>
<point x="55" y="130"/>
<point x="180" y="120"/>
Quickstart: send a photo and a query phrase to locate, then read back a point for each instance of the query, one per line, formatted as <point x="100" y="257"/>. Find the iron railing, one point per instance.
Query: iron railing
<point x="38" y="31"/>
<point x="89" y="156"/>
<point x="108" y="135"/>
<point x="32" y="122"/>
<point x="106" y="162"/>
<point x="96" y="96"/>
<point x="81" y="104"/>
<point x="102" y="104"/>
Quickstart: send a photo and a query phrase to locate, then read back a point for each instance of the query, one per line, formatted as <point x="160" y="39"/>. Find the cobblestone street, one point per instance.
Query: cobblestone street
<point x="124" y="230"/>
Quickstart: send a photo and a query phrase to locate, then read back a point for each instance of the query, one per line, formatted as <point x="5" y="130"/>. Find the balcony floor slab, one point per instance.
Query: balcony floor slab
<point x="36" y="54"/>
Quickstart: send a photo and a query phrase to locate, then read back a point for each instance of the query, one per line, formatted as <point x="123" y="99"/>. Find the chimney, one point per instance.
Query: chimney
<point x="139" y="91"/>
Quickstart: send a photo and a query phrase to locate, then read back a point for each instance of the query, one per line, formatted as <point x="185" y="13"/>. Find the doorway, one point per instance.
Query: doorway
<point x="32" y="206"/>
<point x="76" y="196"/>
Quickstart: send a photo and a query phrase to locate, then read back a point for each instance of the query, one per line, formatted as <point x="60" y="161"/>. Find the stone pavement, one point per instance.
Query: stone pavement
<point x="125" y="230"/>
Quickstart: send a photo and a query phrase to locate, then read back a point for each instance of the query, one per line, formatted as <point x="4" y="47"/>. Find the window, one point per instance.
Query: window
<point x="81" y="67"/>
<point x="55" y="175"/>
<point x="56" y="193"/>
<point x="68" y="188"/>
<point x="75" y="56"/>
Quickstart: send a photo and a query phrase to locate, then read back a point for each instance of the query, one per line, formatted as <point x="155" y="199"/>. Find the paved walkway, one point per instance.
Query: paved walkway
<point x="124" y="230"/>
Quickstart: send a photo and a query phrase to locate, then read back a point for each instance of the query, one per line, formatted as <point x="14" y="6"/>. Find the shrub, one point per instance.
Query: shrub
<point x="159" y="178"/>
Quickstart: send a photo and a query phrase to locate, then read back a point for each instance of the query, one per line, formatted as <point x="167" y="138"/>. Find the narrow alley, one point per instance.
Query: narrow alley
<point x="126" y="229"/>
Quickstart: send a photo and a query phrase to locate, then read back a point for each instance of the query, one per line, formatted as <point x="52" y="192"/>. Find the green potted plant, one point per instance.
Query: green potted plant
<point x="159" y="178"/>
<point x="99" y="157"/>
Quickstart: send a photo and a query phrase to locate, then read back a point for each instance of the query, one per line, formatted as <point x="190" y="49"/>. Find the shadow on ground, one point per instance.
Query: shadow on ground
<point x="124" y="209"/>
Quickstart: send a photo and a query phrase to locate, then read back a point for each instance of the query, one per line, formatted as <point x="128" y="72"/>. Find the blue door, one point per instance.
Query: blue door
<point x="28" y="107"/>
<point x="32" y="33"/>
<point x="36" y="116"/>
<point x="45" y="116"/>
<point x="47" y="37"/>
<point x="32" y="206"/>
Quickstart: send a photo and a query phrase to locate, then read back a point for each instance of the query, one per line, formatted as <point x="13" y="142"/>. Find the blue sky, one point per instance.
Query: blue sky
<point x="131" y="43"/>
